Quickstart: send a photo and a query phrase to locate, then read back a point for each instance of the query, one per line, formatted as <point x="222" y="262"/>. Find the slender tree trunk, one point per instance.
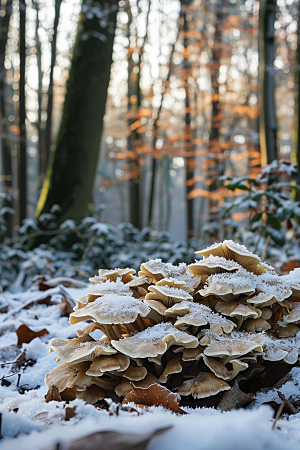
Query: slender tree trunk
<point x="48" y="131"/>
<point x="268" y="125"/>
<point x="72" y="165"/>
<point x="6" y="176"/>
<point x="134" y="104"/>
<point x="190" y="159"/>
<point x="153" y="169"/>
<point x="297" y="106"/>
<point x="22" y="117"/>
<point x="42" y="159"/>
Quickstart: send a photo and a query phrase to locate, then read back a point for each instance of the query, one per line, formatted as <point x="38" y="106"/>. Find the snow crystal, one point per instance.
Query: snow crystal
<point x="218" y="261"/>
<point x="171" y="291"/>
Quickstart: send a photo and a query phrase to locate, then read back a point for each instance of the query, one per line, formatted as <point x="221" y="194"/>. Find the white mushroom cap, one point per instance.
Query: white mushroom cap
<point x="168" y="295"/>
<point x="104" y="364"/>
<point x="171" y="282"/>
<point x="216" y="367"/>
<point x="253" y="325"/>
<point x="72" y="350"/>
<point x="111" y="309"/>
<point x="195" y="314"/>
<point x="92" y="394"/>
<point x="61" y="376"/>
<point x="229" y="286"/>
<point x="173" y="366"/>
<point x="135" y="373"/>
<point x="231" y="347"/>
<point x="233" y="251"/>
<point x="236" y="309"/>
<point x="108" y="274"/>
<point x="157" y="269"/>
<point x="237" y="367"/>
<point x="154" y="341"/>
<point x="203" y="385"/>
<point x="108" y="287"/>
<point x="126" y="386"/>
<point x="212" y="265"/>
<point x="294" y="314"/>
<point x="289" y="330"/>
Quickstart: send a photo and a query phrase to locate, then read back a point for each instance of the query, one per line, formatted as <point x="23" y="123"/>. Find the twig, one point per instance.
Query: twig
<point x="265" y="248"/>
<point x="287" y="403"/>
<point x="278" y="414"/>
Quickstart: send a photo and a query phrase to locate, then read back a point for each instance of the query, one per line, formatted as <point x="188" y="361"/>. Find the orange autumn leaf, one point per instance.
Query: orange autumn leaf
<point x="26" y="335"/>
<point x="154" y="395"/>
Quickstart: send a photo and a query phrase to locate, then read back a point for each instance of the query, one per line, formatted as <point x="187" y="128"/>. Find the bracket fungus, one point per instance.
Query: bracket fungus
<point x="180" y="326"/>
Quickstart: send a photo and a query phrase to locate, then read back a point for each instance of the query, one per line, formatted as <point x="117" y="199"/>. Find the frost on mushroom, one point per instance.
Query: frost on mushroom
<point x="196" y="329"/>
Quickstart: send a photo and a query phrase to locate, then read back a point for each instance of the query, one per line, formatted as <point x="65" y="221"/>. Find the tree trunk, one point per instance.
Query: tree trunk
<point x="268" y="125"/>
<point x="22" y="117"/>
<point x="6" y="176"/>
<point x="72" y="166"/>
<point x="189" y="159"/>
<point x="48" y="131"/>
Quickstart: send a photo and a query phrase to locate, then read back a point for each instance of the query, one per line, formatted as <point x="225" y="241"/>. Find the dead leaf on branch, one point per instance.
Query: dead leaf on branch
<point x="154" y="395"/>
<point x="26" y="335"/>
<point x="112" y="440"/>
<point x="234" y="398"/>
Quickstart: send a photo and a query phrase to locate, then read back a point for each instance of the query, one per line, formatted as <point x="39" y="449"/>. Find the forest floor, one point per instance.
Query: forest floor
<point x="28" y="320"/>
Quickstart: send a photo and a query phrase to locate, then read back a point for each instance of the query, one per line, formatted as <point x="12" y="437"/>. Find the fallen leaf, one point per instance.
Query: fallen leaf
<point x="42" y="301"/>
<point x="68" y="394"/>
<point x="53" y="395"/>
<point x="69" y="413"/>
<point x="112" y="440"/>
<point x="234" y="398"/>
<point x="45" y="284"/>
<point x="154" y="395"/>
<point x="26" y="335"/>
<point x="290" y="265"/>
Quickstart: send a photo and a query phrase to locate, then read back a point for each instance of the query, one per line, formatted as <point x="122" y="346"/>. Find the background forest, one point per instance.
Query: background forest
<point x="168" y="115"/>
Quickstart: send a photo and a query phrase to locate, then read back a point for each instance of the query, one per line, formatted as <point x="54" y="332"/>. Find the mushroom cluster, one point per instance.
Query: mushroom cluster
<point x="195" y="329"/>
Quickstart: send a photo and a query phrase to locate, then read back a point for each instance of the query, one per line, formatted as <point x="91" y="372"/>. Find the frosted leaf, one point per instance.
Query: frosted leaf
<point x="154" y="341"/>
<point x="197" y="315"/>
<point x="168" y="295"/>
<point x="111" y="309"/>
<point x="71" y="350"/>
<point x="213" y="264"/>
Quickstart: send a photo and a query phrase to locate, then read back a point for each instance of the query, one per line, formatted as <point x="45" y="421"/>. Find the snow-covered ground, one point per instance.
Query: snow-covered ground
<point x="29" y="423"/>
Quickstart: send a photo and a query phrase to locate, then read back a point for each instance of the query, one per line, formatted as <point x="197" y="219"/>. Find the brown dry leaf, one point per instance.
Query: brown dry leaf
<point x="43" y="301"/>
<point x="112" y="440"/>
<point x="68" y="394"/>
<point x="45" y="284"/>
<point x="26" y="335"/>
<point x="154" y="395"/>
<point x="234" y="398"/>
<point x="69" y="413"/>
<point x="53" y="395"/>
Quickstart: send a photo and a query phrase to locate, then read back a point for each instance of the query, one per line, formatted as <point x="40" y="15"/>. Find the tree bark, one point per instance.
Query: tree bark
<point x="48" y="131"/>
<point x="268" y="125"/>
<point x="22" y="117"/>
<point x="72" y="165"/>
<point x="6" y="176"/>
